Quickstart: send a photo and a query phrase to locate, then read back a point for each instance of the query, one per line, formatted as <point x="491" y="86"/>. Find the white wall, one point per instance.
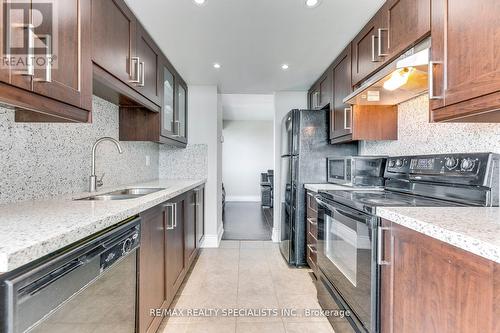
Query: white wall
<point x="205" y="125"/>
<point x="417" y="136"/>
<point x="284" y="101"/>
<point x="247" y="152"/>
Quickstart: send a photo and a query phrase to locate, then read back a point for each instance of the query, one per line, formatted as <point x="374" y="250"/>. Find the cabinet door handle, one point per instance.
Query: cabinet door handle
<point x="30" y="69"/>
<point x="380" y="54"/>
<point x="48" y="56"/>
<point x="373" y="49"/>
<point x="172" y="217"/>
<point x="431" y="80"/>
<point x="134" y="69"/>
<point x="142" y="69"/>
<point x="380" y="234"/>
<point x="177" y="128"/>
<point x="312" y="249"/>
<point x="345" y="117"/>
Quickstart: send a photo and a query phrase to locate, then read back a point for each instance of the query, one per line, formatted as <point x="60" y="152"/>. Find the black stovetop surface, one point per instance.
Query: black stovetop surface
<point x="368" y="201"/>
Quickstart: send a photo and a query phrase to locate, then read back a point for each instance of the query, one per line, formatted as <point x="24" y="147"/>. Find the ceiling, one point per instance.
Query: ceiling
<point x="247" y="107"/>
<point x="252" y="38"/>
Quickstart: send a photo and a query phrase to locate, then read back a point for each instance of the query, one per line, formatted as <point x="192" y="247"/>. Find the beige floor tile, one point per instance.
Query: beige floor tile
<point x="211" y="328"/>
<point x="275" y="327"/>
<point x="309" y="327"/>
<point x="300" y="303"/>
<point x="263" y="307"/>
<point x="229" y="244"/>
<point x="252" y="244"/>
<point x="255" y="284"/>
<point x="168" y="327"/>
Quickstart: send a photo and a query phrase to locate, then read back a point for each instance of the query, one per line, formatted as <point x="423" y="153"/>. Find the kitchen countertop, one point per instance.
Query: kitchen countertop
<point x="474" y="229"/>
<point x="30" y="230"/>
<point x="333" y="187"/>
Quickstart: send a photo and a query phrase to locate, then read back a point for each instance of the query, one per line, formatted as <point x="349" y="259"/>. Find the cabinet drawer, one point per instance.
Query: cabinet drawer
<point x="312" y="239"/>
<point x="312" y="226"/>
<point x="312" y="257"/>
<point x="311" y="202"/>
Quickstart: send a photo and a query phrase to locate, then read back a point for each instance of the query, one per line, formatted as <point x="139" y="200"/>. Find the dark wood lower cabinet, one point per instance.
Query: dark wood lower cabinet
<point x="169" y="234"/>
<point x="312" y="232"/>
<point x="151" y="268"/>
<point x="430" y="286"/>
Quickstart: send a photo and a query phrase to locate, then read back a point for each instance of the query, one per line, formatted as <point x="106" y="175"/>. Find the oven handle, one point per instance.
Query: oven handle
<point x="354" y="213"/>
<point x="380" y="235"/>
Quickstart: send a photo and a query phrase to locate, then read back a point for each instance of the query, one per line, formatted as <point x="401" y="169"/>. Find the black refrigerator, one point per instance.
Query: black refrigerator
<point x="304" y="149"/>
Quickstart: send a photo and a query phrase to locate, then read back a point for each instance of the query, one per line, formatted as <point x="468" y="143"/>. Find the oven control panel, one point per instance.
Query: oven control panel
<point x="469" y="168"/>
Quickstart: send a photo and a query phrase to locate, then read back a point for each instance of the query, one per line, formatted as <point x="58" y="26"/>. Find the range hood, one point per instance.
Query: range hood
<point x="401" y="80"/>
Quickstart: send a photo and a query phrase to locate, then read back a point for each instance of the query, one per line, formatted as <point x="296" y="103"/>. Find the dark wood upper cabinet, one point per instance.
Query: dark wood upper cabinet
<point x="69" y="78"/>
<point x="57" y="85"/>
<point x="341" y="113"/>
<point x="313" y="98"/>
<point x="465" y="85"/>
<point x="114" y="33"/>
<point x="365" y="52"/>
<point x="149" y="56"/>
<point x="431" y="286"/>
<point x="181" y="111"/>
<point x="168" y="99"/>
<point x="406" y="23"/>
<point x="325" y="88"/>
<point x="151" y="268"/>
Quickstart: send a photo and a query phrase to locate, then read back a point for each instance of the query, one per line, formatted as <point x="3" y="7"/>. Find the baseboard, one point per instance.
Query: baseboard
<point x="276" y="237"/>
<point x="213" y="241"/>
<point x="243" y="198"/>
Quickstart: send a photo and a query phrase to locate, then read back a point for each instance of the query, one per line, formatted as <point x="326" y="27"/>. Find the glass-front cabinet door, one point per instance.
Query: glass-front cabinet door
<point x="167" y="113"/>
<point x="180" y="127"/>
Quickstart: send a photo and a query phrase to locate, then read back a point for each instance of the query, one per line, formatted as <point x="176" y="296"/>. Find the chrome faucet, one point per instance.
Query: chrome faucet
<point x="94" y="183"/>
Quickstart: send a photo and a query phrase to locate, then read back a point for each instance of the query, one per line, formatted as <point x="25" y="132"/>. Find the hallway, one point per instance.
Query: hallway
<point x="247" y="221"/>
<point x="246" y="275"/>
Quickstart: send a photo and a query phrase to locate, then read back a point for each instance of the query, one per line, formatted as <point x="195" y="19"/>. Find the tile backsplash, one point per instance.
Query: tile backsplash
<point x="188" y="163"/>
<point x="44" y="160"/>
<point x="418" y="136"/>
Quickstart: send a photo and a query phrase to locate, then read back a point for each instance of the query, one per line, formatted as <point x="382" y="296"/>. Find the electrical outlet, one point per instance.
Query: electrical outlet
<point x="148" y="160"/>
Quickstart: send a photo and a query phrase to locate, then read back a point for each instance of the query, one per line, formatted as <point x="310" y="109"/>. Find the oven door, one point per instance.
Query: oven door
<point x="347" y="260"/>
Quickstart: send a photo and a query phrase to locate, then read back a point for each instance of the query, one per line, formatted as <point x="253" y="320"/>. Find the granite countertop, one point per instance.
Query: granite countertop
<point x="474" y="229"/>
<point x="32" y="229"/>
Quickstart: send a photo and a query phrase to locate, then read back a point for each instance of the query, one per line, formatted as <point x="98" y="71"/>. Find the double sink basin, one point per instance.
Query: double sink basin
<point x="128" y="193"/>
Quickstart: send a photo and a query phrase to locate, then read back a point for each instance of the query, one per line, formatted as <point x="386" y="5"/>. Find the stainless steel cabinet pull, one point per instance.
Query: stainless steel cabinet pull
<point x="48" y="56"/>
<point x="134" y="69"/>
<point x="431" y="80"/>
<point x="177" y="128"/>
<point x="380" y="54"/>
<point x="345" y="118"/>
<point x="312" y="249"/>
<point x="373" y="49"/>
<point x="380" y="233"/>
<point x="172" y="217"/>
<point x="142" y="70"/>
<point x="30" y="66"/>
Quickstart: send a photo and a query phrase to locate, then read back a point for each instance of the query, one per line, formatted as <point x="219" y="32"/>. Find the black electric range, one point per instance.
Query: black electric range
<point x="349" y="232"/>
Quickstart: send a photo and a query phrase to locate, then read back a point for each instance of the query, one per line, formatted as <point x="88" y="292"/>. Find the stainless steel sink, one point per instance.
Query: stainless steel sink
<point x="125" y="194"/>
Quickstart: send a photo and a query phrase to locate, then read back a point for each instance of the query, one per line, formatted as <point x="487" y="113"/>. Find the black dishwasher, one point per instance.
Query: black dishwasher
<point x="89" y="286"/>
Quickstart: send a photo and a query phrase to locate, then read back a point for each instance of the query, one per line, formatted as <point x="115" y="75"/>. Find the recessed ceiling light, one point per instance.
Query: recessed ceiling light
<point x="312" y="3"/>
<point x="200" y="2"/>
<point x="284" y="67"/>
<point x="216" y="65"/>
